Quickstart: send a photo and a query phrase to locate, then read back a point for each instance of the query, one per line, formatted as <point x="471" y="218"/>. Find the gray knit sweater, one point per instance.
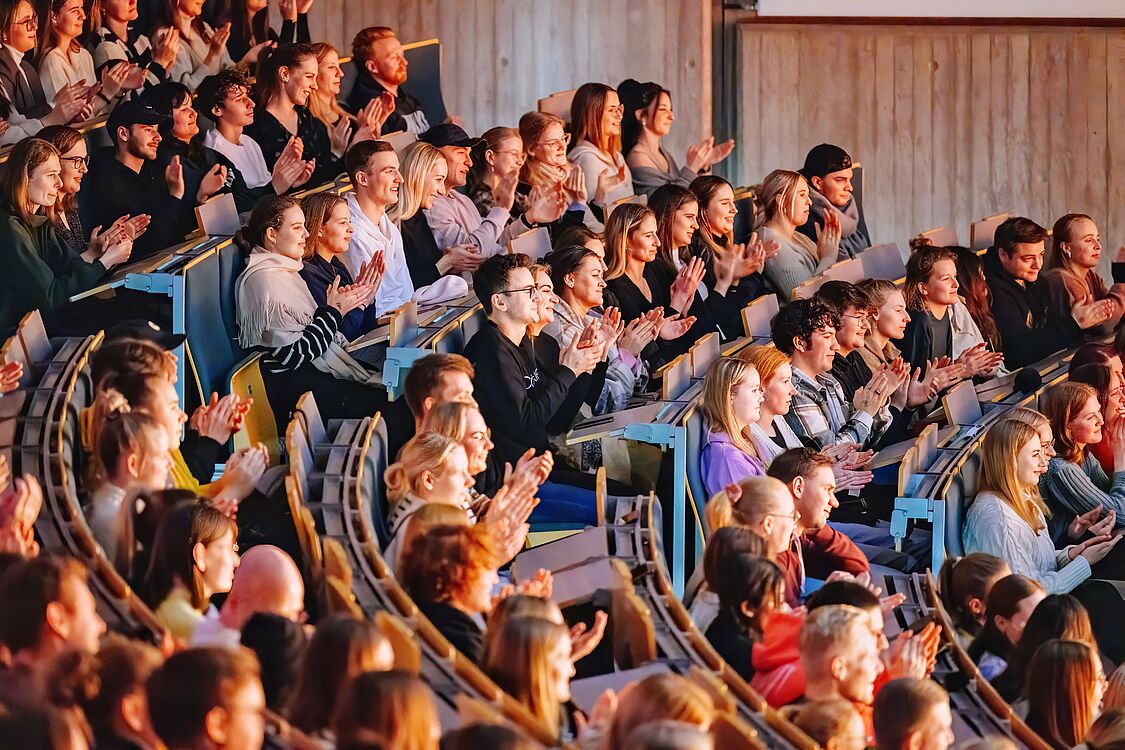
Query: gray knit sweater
<point x="1078" y="488"/>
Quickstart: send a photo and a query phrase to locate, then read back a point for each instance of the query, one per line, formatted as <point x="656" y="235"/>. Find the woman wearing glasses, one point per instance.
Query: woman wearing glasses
<point x="596" y="115"/>
<point x="546" y="171"/>
<point x="64" y="213"/>
<point x="494" y="176"/>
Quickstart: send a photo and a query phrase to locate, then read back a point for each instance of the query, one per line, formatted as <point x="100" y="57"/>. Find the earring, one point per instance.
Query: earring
<point x="1066" y="253"/>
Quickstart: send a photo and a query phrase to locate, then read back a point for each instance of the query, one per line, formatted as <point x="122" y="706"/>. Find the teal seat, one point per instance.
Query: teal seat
<point x="213" y="351"/>
<point x="697" y="494"/>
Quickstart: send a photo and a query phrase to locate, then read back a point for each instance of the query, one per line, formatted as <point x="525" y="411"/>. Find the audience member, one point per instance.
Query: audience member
<point x="202" y="49"/>
<point x="249" y="25"/>
<point x="380" y="74"/>
<point x="208" y="697"/>
<point x="114" y="704"/>
<point x="647" y="117"/>
<point x="829" y="172"/>
<point x="913" y="714"/>
<point x="1068" y="687"/>
<point x="964" y="585"/>
<point x="851" y="306"/>
<point x="975" y="294"/>
<point x="659" y="697"/>
<point x="114" y="37"/>
<point x="267" y="581"/>
<point x="832" y="724"/>
<point x="785" y="207"/>
<point x="1099" y="366"/>
<point x="48" y="609"/>
<point x="327" y="220"/>
<point x="1072" y="263"/>
<point x="495" y="737"/>
<point x="1033" y="320"/>
<point x="494" y="175"/>
<point x="723" y="545"/>
<point x="731" y="403"/>
<point x="278" y="642"/>
<point x="1010" y="603"/>
<point x="750" y="590"/>
<point x="1056" y="616"/>
<point x="324" y="105"/>
<point x="1008" y="517"/>
<point x="546" y="172"/>
<point x="430" y="468"/>
<point x="840" y="657"/>
<point x="762" y="504"/>
<point x="596" y="115"/>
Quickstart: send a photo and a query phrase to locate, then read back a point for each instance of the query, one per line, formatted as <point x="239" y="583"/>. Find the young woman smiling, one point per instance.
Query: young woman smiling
<point x="113" y="38"/>
<point x="596" y="114"/>
<point x="1008" y="517"/>
<point x="1099" y="366"/>
<point x="546" y="171"/>
<point x="785" y="206"/>
<point x="1075" y="481"/>
<point x="1072" y="265"/>
<point x="732" y="402"/>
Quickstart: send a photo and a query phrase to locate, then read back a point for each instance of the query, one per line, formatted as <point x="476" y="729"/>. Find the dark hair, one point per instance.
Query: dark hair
<point x="665" y="201"/>
<point x="1018" y="231"/>
<point x="492" y="275"/>
<point x="576" y="234"/>
<point x="797" y="462"/>
<point x="138" y="531"/>
<point x="120" y="667"/>
<point x="1061" y="707"/>
<point x="184" y="690"/>
<point x="901" y="706"/>
<point x="974" y="290"/>
<point x="269" y="69"/>
<point x="800" y="319"/>
<point x="214" y="90"/>
<point x="26" y="589"/>
<point x="1057" y="616"/>
<point x="278" y="642"/>
<point x="839" y="296"/>
<point x="634" y="96"/>
<point x="359" y="156"/>
<point x="1093" y="354"/>
<point x="586" y="111"/>
<point x="164" y="99"/>
<point x="267" y="214"/>
<point x="336" y="654"/>
<point x="842" y="592"/>
<point x="425" y="376"/>
<point x="753" y="581"/>
<point x="42" y="728"/>
<point x="567" y="260"/>
<point x="396" y="707"/>
<point x="1095" y="375"/>
<point x="705" y="187"/>
<point x="1003" y="601"/>
<point x="492" y="736"/>
<point x="964" y="578"/>
<point x="119" y="357"/>
<point x="723" y="545"/>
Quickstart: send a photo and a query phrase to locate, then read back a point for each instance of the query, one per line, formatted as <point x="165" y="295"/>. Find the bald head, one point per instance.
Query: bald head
<point x="267" y="580"/>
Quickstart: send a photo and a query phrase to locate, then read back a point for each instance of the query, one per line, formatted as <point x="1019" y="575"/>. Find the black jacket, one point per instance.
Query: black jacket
<point x="586" y="389"/>
<point x="407" y="114"/>
<point x="457" y="627"/>
<point x="726" y="310"/>
<point x="519" y="399"/>
<point x="1034" y="320"/>
<point x="422" y="251"/>
<point x="733" y="643"/>
<point x="272" y="136"/>
<point x="319" y="275"/>
<point x="917" y="345"/>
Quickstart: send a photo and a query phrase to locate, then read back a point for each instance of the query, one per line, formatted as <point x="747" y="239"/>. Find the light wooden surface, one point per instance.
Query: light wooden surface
<point x="951" y="123"/>
<point x="501" y="56"/>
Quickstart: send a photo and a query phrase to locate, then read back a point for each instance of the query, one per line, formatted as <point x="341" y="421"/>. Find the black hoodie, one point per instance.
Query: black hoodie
<point x="1033" y="319"/>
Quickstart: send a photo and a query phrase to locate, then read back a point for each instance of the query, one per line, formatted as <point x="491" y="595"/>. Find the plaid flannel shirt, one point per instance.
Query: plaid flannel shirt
<point x="821" y="415"/>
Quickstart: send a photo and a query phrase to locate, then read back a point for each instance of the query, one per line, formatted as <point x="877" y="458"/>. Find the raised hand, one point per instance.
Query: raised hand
<point x="137" y="225"/>
<point x="906" y="656"/>
<point x="579" y="359"/>
<point x="504" y="194"/>
<point x="1093" y="522"/>
<point x="828" y="236"/>
<point x="685" y="285"/>
<point x="978" y="360"/>
<point x="637" y="335"/>
<point x="245" y="469"/>
<point x="699" y="154"/>
<point x="574" y="186"/>
<point x="345" y="299"/>
<point x="545" y="205"/>
<point x="219" y="43"/>
<point x="174" y="177"/>
<point x="371" y="273"/>
<point x="10" y="374"/>
<point x="608" y="182"/>
<point x="166" y="48"/>
<point x="70" y="103"/>
<point x="460" y="258"/>
<point x="1089" y="313"/>
<point x="339" y="135"/>
<point x="674" y="327"/>
<point x="288" y="9"/>
<point x="612" y="328"/>
<point x="303" y="6"/>
<point x="19" y="507"/>
<point x="720" y="151"/>
<point x="212" y="182"/>
<point x="584" y="640"/>
<point x="216" y="419"/>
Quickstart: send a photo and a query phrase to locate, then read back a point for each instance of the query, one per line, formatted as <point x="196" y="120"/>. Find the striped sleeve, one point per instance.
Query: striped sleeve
<point x="313" y="343"/>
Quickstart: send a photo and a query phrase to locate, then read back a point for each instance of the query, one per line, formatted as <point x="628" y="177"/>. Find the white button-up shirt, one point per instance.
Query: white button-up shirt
<point x="369" y="238"/>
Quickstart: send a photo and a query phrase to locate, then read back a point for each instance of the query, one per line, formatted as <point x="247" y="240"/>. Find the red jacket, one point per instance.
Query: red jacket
<point x="822" y="552"/>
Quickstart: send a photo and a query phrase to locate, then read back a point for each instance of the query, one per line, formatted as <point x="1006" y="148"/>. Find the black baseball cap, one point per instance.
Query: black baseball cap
<point x="825" y="159"/>
<point x="448" y="134"/>
<point x="133" y="112"/>
<point x="145" y="330"/>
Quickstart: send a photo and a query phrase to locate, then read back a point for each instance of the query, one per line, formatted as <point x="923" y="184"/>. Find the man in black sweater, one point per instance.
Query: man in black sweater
<point x="381" y="71"/>
<point x="518" y="398"/>
<point x="1034" y="319"/>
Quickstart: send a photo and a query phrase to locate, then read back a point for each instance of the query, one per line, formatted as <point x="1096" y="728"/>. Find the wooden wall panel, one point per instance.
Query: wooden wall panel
<point x="952" y="123"/>
<point x="500" y="56"/>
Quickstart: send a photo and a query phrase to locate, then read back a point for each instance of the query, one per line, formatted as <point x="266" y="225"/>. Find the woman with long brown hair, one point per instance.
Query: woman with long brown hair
<point x="395" y="708"/>
<point x="1099" y="366"/>
<point x="1011" y="602"/>
<point x="1056" y="616"/>
<point x="1065" y="688"/>
<point x="596" y="115"/>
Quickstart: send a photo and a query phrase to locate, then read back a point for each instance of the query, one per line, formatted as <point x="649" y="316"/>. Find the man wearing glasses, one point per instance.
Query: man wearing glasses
<point x="517" y="398"/>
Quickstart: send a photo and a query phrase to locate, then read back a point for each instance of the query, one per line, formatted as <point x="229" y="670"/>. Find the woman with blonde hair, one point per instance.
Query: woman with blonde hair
<point x="430" y="468"/>
<point x="1075" y="481"/>
<point x="424" y="170"/>
<point x="324" y="106"/>
<point x="1008" y="518"/>
<point x="785" y="207"/>
<point x="341" y="649"/>
<point x="763" y="505"/>
<point x="390" y="709"/>
<point x="530" y="659"/>
<point x="731" y="403"/>
<point x="659" y="697"/>
<point x="1066" y="685"/>
<point x="328" y="222"/>
<point x="639" y="285"/>
<point x="1072" y="268"/>
<point x="596" y="115"/>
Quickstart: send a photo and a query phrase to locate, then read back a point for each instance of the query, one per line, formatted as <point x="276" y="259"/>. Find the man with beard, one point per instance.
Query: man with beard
<point x="118" y="185"/>
<point x="381" y="66"/>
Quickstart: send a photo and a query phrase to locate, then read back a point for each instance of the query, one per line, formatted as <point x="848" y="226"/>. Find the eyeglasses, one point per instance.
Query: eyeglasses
<point x="532" y="291"/>
<point x="859" y="317"/>
<point x="618" y="110"/>
<point x="514" y="153"/>
<point x="77" y="162"/>
<point x="31" y="24"/>
<point x="556" y="142"/>
<point x="795" y="516"/>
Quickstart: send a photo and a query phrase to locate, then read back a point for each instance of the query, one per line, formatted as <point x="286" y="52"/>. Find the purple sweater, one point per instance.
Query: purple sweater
<point x="722" y="463"/>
